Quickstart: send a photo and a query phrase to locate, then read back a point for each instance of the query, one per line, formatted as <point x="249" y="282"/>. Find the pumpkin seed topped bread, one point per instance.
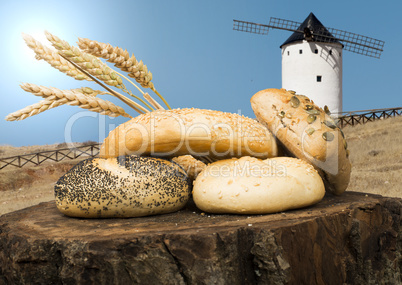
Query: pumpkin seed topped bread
<point x="307" y="132"/>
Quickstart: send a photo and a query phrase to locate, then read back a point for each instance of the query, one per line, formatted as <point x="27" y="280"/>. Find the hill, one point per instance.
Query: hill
<point x="375" y="153"/>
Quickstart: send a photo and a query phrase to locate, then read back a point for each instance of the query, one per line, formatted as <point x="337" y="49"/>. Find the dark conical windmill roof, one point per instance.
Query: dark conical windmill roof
<point x="314" y="25"/>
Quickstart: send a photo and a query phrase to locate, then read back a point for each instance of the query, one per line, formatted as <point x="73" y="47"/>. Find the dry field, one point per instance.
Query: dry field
<point x="375" y="153"/>
<point x="376" y="156"/>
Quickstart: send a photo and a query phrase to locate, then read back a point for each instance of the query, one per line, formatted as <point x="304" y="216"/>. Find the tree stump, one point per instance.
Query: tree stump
<point x="354" y="238"/>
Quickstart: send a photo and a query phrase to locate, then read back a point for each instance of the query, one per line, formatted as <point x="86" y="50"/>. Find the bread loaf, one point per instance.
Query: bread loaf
<point x="253" y="186"/>
<point x="127" y="186"/>
<point x="190" y="131"/>
<point x="307" y="132"/>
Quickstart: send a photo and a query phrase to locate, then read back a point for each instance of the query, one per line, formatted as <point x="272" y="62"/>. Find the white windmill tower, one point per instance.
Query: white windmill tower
<point x="312" y="57"/>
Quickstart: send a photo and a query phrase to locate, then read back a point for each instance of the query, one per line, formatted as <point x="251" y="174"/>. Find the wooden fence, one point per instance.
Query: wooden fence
<point x="343" y="119"/>
<point x="364" y="116"/>
<point x="53" y="155"/>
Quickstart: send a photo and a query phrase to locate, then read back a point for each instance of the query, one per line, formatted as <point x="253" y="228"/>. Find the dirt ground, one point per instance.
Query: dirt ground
<point x="375" y="153"/>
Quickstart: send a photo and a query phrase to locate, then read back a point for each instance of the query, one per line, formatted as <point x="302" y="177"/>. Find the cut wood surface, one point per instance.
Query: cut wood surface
<point x="354" y="238"/>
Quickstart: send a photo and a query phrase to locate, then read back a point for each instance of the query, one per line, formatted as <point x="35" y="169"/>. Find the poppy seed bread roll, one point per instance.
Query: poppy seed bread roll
<point x="192" y="131"/>
<point x="307" y="132"/>
<point x="127" y="186"/>
<point x="250" y="185"/>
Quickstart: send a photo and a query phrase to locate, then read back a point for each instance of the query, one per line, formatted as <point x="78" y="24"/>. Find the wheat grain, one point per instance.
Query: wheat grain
<point x="70" y="97"/>
<point x="90" y="92"/>
<point x="121" y="59"/>
<point x="53" y="58"/>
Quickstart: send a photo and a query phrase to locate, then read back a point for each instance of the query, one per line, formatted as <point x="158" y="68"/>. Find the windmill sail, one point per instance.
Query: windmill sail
<point x="358" y="43"/>
<point x="352" y="42"/>
<point x="250" y="27"/>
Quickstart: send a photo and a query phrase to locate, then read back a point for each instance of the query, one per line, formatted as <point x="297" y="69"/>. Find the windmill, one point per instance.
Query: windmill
<point x="312" y="56"/>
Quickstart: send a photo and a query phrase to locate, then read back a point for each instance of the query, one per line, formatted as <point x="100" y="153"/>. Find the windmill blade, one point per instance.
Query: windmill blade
<point x="359" y="44"/>
<point x="284" y="24"/>
<point x="352" y="42"/>
<point x="250" y="27"/>
<point x="274" y="23"/>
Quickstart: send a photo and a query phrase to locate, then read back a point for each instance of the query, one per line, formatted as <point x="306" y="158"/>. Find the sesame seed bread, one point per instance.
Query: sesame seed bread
<point x="250" y="185"/>
<point x="190" y="131"/>
<point x="127" y="186"/>
<point x="307" y="132"/>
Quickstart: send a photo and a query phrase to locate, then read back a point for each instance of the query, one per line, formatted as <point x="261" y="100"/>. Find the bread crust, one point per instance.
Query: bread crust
<point x="250" y="185"/>
<point x="307" y="132"/>
<point x="190" y="131"/>
<point x="123" y="187"/>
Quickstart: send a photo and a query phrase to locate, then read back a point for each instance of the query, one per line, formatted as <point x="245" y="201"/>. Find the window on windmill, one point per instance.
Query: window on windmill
<point x="316" y="51"/>
<point x="288" y="52"/>
<point x="319" y="78"/>
<point x="330" y="51"/>
<point x="300" y="51"/>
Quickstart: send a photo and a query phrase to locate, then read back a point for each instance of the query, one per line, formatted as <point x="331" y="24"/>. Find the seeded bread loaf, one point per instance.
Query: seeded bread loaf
<point x="307" y="132"/>
<point x="250" y="185"/>
<point x="127" y="186"/>
<point x="190" y="131"/>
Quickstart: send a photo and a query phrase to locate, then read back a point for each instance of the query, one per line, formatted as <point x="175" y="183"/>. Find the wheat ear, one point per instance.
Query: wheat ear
<point x="121" y="59"/>
<point x="137" y="107"/>
<point x="53" y="58"/>
<point x="76" y="98"/>
<point x="49" y="103"/>
<point x="34" y="109"/>
<point x="91" y="64"/>
<point x="86" y="61"/>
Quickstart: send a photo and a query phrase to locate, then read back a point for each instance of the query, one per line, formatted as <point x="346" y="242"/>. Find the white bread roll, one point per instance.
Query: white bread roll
<point x="129" y="186"/>
<point x="190" y="131"/>
<point x="253" y="186"/>
<point x="307" y="132"/>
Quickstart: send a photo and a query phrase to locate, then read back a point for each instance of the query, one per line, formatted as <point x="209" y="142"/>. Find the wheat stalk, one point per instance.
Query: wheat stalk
<point x="137" y="107"/>
<point x="86" y="61"/>
<point x="53" y="58"/>
<point x="152" y="101"/>
<point x="70" y="97"/>
<point x="121" y="59"/>
<point x="91" y="64"/>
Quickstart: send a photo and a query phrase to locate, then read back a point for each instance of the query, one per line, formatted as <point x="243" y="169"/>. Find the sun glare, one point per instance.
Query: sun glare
<point x="25" y="56"/>
<point x="27" y="52"/>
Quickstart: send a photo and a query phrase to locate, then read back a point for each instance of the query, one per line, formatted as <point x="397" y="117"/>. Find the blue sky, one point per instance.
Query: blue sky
<point x="197" y="60"/>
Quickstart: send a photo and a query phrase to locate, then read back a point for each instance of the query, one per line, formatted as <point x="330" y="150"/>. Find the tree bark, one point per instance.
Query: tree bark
<point x="354" y="239"/>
